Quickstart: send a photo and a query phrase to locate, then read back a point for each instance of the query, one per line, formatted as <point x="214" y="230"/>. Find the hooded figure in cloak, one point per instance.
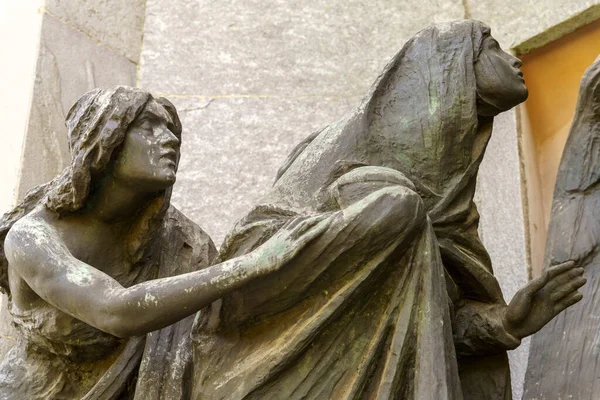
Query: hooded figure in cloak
<point x="397" y="299"/>
<point x="563" y="360"/>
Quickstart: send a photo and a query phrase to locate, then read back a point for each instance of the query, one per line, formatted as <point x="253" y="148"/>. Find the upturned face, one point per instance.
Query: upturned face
<point x="500" y="83"/>
<point x="150" y="154"/>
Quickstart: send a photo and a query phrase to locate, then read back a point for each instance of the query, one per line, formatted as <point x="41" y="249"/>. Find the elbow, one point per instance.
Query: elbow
<point x="119" y="319"/>
<point x="118" y="327"/>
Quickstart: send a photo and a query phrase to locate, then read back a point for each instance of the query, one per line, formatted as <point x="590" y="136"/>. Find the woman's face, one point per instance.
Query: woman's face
<point x="150" y="154"/>
<point x="500" y="83"/>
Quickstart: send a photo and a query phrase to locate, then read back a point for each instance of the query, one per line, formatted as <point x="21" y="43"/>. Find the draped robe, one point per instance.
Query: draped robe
<point x="397" y="299"/>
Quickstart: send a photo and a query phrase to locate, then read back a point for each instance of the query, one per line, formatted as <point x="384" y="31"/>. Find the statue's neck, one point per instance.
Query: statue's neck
<point x="113" y="202"/>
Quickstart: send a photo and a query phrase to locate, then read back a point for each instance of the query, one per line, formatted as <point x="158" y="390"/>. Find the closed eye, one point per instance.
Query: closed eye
<point x="145" y="124"/>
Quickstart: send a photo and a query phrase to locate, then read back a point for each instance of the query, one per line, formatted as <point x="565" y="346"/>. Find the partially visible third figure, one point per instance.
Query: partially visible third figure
<point x="563" y="361"/>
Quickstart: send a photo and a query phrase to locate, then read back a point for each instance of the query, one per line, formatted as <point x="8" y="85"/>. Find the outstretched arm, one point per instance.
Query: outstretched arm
<point x="37" y="253"/>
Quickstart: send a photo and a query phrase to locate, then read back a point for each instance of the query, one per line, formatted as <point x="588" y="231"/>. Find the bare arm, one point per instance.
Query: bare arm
<point x="37" y="253"/>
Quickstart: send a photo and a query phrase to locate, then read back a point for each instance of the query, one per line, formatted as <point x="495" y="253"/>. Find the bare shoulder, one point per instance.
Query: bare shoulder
<point x="32" y="238"/>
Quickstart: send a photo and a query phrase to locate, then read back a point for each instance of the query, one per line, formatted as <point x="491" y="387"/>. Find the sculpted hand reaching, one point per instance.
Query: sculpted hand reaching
<point x="543" y="298"/>
<point x="289" y="241"/>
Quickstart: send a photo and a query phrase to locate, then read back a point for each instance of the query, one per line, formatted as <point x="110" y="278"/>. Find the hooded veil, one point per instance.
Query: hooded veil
<point x="391" y="325"/>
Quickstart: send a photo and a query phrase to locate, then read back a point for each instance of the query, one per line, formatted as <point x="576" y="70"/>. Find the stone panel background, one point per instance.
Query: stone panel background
<point x="69" y="64"/>
<point x="524" y="25"/>
<point x="233" y="146"/>
<point x="116" y="24"/>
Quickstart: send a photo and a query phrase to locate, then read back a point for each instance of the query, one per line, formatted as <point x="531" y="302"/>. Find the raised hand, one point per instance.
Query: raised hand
<point x="543" y="298"/>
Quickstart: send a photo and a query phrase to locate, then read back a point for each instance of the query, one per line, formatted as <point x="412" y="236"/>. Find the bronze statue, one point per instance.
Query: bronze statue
<point x="98" y="255"/>
<point x="360" y="275"/>
<point x="397" y="299"/>
<point x="563" y="361"/>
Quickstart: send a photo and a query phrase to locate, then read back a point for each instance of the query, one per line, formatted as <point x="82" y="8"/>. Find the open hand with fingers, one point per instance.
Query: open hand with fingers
<point x="292" y="238"/>
<point x="543" y="298"/>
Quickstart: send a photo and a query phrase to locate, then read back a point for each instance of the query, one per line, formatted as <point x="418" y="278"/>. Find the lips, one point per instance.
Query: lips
<point x="170" y="155"/>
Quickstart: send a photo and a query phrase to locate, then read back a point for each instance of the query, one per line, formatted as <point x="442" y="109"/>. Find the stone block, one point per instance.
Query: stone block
<point x="118" y="24"/>
<point x="331" y="48"/>
<point x="528" y="24"/>
<point x="69" y="64"/>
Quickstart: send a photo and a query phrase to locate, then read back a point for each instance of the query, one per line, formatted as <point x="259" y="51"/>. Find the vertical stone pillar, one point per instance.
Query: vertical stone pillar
<point x="83" y="45"/>
<point x="77" y="45"/>
<point x="23" y="21"/>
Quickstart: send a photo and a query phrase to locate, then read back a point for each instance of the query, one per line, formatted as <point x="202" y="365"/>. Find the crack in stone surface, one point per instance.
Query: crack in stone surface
<point x="44" y="10"/>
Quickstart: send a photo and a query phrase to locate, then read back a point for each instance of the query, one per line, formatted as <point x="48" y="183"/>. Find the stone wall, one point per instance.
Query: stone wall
<point x="251" y="79"/>
<point x="83" y="45"/>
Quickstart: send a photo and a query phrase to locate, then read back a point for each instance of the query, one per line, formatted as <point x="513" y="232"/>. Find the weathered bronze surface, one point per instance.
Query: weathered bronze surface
<point x="359" y="275"/>
<point x="100" y="268"/>
<point x="563" y="361"/>
<point x="397" y="299"/>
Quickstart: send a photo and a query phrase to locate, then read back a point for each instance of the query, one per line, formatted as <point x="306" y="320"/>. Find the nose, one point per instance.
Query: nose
<point x="168" y="138"/>
<point x="516" y="62"/>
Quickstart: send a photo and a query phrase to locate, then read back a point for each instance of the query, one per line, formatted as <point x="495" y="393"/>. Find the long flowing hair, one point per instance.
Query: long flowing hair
<point x="96" y="125"/>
